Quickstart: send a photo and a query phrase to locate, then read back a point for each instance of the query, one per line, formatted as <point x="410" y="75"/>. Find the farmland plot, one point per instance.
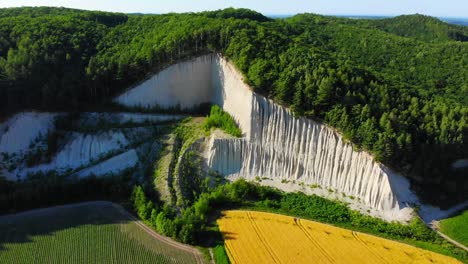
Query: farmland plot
<point x="257" y="237"/>
<point x="456" y="227"/>
<point x="85" y="233"/>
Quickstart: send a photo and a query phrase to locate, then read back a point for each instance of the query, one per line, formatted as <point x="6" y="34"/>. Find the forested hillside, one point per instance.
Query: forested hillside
<point x="422" y="27"/>
<point x="395" y="87"/>
<point x="44" y="53"/>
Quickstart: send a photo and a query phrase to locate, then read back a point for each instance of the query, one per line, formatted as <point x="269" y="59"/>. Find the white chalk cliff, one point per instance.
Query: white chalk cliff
<point x="275" y="145"/>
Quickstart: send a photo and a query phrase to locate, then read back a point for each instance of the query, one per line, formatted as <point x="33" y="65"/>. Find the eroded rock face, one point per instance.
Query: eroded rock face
<point x="275" y="145"/>
<point x="206" y="79"/>
<point x="285" y="148"/>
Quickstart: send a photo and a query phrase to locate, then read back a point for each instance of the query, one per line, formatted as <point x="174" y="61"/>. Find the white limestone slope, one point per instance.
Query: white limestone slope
<point x="231" y="93"/>
<point x="81" y="150"/>
<point x="86" y="148"/>
<point x="18" y="132"/>
<point x="183" y="84"/>
<point x="205" y="79"/>
<point x="113" y="165"/>
<point x="276" y="145"/>
<point x="285" y="148"/>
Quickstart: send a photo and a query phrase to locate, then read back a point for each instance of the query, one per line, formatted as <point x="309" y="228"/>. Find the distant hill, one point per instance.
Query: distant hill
<point x="455" y="21"/>
<point x="450" y="20"/>
<point x="422" y="27"/>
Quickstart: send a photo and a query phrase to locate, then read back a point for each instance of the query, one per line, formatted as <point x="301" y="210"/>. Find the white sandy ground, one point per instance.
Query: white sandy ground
<point x="276" y="145"/>
<point x="18" y="132"/>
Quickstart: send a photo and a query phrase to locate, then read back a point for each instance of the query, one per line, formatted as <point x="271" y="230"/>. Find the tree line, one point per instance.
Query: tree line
<point x="193" y="224"/>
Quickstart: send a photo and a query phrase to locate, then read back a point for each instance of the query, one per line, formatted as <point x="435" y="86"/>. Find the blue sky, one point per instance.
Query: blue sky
<point x="450" y="8"/>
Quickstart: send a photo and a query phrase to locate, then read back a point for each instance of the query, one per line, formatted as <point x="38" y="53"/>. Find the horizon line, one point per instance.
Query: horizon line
<point x="363" y="15"/>
<point x="265" y="14"/>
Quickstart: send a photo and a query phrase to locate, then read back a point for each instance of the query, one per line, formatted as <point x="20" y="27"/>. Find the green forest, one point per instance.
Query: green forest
<point x="396" y="87"/>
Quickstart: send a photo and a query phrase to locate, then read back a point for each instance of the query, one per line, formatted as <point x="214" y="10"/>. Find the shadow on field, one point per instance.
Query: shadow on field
<point x="229" y="235"/>
<point x="213" y="237"/>
<point x="23" y="227"/>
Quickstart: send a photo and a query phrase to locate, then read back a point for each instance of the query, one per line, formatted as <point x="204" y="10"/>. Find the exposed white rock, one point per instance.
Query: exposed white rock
<point x="282" y="147"/>
<point x="205" y="79"/>
<point x="86" y="148"/>
<point x="81" y="150"/>
<point x="276" y="144"/>
<point x="113" y="165"/>
<point x="231" y="93"/>
<point x="18" y="132"/>
<point x="185" y="84"/>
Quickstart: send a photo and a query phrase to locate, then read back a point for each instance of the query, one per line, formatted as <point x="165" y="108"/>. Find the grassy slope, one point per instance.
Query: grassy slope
<point x="83" y="234"/>
<point x="456" y="227"/>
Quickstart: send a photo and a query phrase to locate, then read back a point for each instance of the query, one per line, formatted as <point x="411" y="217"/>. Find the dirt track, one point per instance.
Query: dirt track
<point x="435" y="226"/>
<point x="198" y="256"/>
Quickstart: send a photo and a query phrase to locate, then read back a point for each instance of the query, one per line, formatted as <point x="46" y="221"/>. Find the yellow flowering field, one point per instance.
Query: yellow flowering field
<point x="258" y="237"/>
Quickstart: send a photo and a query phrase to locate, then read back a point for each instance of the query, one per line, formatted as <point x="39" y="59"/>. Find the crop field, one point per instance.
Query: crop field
<point x="257" y="237"/>
<point x="456" y="227"/>
<point x="85" y="233"/>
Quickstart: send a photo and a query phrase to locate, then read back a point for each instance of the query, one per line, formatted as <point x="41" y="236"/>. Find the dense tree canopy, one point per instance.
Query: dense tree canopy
<point x="395" y="87"/>
<point x="424" y="28"/>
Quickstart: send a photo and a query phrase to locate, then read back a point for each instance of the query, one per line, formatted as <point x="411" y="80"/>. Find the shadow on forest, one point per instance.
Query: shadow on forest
<point x="23" y="227"/>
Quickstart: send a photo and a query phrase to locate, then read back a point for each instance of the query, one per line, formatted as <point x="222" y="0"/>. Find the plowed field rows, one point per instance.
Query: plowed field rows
<point x="89" y="233"/>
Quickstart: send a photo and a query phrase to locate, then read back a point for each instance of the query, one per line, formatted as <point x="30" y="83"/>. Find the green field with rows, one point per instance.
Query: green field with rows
<point x="90" y="233"/>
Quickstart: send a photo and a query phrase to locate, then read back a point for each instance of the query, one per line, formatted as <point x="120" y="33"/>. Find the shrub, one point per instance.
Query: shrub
<point x="220" y="119"/>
